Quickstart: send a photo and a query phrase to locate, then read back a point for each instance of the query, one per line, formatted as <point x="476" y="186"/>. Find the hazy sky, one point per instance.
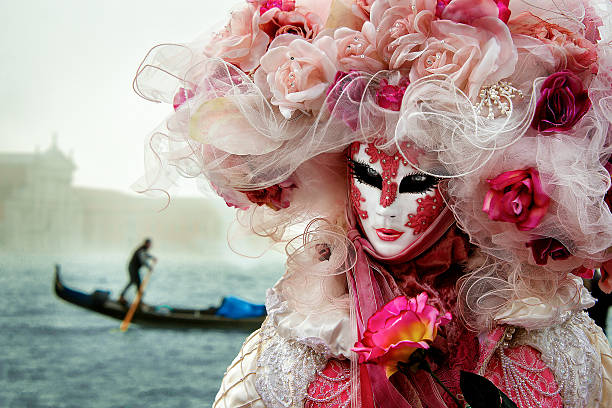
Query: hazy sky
<point x="66" y="66"/>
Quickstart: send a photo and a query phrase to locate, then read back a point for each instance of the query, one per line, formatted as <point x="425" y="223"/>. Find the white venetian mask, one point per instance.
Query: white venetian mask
<point x="394" y="202"/>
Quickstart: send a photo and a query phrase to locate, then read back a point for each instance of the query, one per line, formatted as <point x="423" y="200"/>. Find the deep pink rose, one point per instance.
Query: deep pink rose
<point x="563" y="102"/>
<point x="265" y="5"/>
<point x="517" y="197"/>
<point x="544" y="247"/>
<point x="397" y="330"/>
<point x="466" y="11"/>
<point x="390" y="96"/>
<point x="276" y="197"/>
<point x="344" y="97"/>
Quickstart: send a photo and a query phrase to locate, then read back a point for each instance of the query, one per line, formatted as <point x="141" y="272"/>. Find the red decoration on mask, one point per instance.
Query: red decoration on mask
<point x="429" y="209"/>
<point x="389" y="165"/>
<point x="356" y="198"/>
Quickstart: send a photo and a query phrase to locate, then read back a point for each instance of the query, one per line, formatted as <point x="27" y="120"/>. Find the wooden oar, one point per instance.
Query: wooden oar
<point x="130" y="314"/>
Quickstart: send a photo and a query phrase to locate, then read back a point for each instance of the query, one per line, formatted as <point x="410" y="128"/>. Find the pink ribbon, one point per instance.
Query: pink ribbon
<point x="370" y="294"/>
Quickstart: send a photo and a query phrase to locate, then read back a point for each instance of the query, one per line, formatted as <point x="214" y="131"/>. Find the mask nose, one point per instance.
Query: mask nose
<point x="391" y="211"/>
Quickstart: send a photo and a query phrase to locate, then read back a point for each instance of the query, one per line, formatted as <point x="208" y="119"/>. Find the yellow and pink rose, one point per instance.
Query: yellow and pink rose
<point x="397" y="330"/>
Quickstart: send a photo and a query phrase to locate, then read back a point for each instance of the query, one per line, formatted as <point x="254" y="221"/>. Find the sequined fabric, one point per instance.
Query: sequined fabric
<point x="285" y="368"/>
<point x="331" y="387"/>
<point x="571" y="356"/>
<point x="557" y="366"/>
<point x="520" y="373"/>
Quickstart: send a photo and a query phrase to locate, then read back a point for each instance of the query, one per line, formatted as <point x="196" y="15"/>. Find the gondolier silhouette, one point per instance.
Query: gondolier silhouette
<point x="140" y="258"/>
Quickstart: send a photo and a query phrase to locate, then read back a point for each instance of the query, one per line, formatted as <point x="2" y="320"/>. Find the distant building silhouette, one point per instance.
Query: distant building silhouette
<point x="40" y="211"/>
<point x="38" y="208"/>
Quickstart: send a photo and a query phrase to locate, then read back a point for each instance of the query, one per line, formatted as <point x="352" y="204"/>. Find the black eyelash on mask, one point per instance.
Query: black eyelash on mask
<point x="418" y="183"/>
<point x="365" y="174"/>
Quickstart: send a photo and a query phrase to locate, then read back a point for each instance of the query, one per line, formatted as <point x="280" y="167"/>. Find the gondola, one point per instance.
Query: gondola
<point x="99" y="301"/>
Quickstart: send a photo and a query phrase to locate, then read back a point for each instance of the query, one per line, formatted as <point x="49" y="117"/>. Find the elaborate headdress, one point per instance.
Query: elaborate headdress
<point x="509" y="102"/>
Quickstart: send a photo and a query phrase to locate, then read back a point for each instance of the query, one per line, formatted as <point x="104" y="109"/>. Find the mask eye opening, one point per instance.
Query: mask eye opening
<point x="365" y="174"/>
<point x="418" y="183"/>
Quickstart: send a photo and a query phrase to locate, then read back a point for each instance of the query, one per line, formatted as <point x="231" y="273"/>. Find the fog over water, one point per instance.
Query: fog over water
<point x="56" y="355"/>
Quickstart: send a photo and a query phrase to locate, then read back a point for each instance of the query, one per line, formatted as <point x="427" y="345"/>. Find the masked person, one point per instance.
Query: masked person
<point x="443" y="165"/>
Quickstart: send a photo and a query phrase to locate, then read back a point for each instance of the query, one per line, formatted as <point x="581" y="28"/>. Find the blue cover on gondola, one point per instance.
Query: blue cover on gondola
<point x="236" y="308"/>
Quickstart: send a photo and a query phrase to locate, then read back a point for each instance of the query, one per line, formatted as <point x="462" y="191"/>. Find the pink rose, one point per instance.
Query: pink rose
<point x="357" y="49"/>
<point x="562" y="103"/>
<point x="547" y="247"/>
<point x="466" y="11"/>
<point x="573" y="51"/>
<point x="241" y="42"/>
<point x="437" y="58"/>
<point x="472" y="55"/>
<point x="397" y="330"/>
<point x="517" y="197"/>
<point x="390" y="96"/>
<point x="290" y="20"/>
<point x="297" y="73"/>
<point x="276" y="197"/>
<point x="361" y="8"/>
<point x="402" y="26"/>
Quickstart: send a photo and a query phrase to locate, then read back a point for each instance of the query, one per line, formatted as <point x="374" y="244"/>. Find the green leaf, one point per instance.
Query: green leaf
<point x="482" y="393"/>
